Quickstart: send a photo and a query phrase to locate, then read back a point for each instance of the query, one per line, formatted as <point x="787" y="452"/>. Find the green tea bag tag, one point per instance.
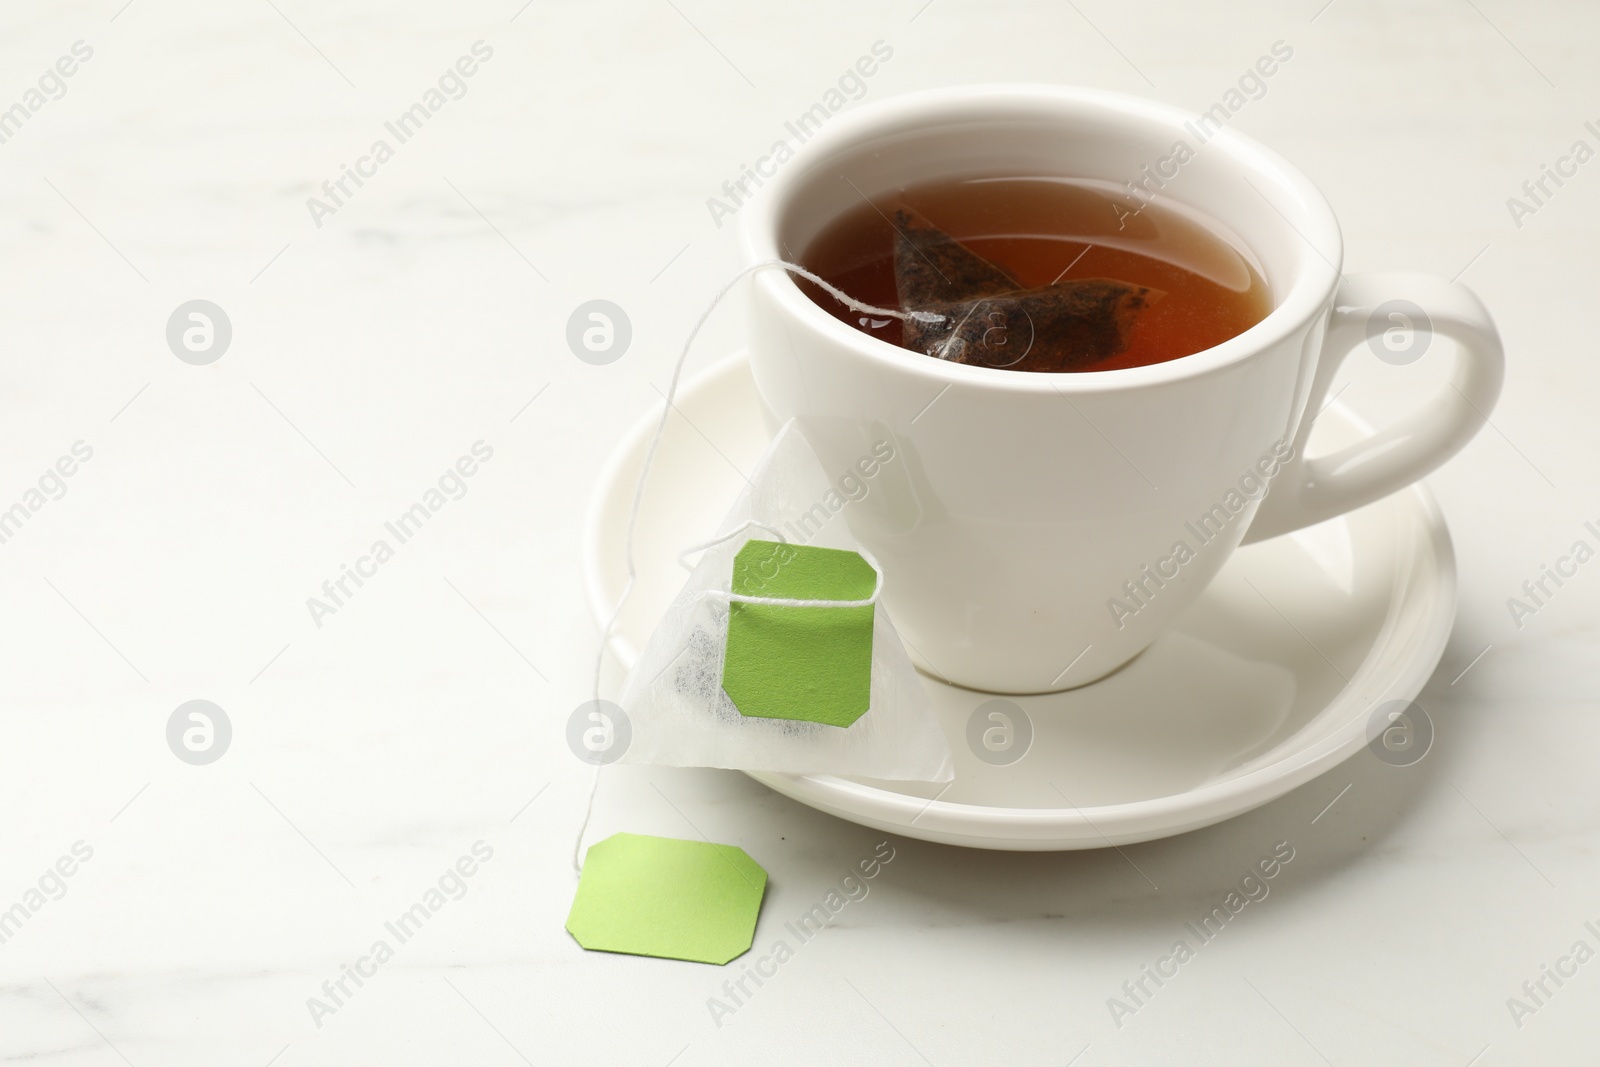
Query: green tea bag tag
<point x="665" y="897"/>
<point x="809" y="658"/>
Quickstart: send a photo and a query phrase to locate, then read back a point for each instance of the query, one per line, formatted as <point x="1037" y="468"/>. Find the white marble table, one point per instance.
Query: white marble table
<point x="374" y="745"/>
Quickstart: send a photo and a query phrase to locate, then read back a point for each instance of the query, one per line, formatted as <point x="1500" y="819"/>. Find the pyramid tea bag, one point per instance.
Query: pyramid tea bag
<point x="778" y="654"/>
<point x="986" y="318"/>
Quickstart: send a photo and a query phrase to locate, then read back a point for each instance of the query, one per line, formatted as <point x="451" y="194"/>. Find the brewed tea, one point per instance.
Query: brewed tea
<point x="1038" y="274"/>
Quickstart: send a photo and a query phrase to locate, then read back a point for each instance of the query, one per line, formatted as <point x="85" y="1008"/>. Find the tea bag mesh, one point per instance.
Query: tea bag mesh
<point x="674" y="699"/>
<point x="644" y="477"/>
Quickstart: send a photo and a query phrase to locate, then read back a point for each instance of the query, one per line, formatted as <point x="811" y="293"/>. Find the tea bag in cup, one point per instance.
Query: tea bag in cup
<point x="778" y="654"/>
<point x="982" y="316"/>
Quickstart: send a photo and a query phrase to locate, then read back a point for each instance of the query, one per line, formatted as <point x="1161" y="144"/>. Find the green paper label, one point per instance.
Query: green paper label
<point x="813" y="664"/>
<point x="663" y="897"/>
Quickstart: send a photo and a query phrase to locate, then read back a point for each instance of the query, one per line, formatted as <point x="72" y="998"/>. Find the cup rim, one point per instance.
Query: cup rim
<point x="1320" y="246"/>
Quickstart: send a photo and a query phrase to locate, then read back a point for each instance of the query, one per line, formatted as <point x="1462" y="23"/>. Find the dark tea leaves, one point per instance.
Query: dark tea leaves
<point x="931" y="267"/>
<point x="988" y="319"/>
<point x="1065" y="327"/>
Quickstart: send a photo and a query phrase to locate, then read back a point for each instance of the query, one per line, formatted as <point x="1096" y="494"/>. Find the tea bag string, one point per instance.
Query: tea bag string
<point x="683" y="557"/>
<point x="649" y="461"/>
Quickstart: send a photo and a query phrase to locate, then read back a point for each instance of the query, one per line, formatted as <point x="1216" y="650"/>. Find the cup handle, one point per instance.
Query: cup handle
<point x="1397" y="314"/>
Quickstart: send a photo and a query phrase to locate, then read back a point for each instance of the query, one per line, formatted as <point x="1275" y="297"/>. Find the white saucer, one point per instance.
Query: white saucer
<point x="1266" y="682"/>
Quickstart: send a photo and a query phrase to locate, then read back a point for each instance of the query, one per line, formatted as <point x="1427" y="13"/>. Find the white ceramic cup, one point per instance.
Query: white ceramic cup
<point x="1030" y="524"/>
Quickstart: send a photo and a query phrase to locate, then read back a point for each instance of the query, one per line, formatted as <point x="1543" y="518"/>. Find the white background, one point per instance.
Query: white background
<point x="369" y="353"/>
